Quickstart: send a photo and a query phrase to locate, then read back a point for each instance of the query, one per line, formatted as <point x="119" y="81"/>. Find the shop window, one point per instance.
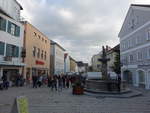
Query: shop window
<point x="2" y="24"/>
<point x="2" y="46"/>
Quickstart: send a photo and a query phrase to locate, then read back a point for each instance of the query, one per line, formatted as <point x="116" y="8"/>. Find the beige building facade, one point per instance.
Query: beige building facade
<point x="96" y="65"/>
<point x="111" y="54"/>
<point x="73" y="65"/>
<point x="37" y="47"/>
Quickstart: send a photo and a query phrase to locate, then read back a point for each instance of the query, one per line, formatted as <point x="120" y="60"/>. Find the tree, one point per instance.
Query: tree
<point x="117" y="67"/>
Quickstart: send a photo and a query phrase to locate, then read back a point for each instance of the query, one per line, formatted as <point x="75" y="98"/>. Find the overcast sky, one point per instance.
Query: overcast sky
<point x="80" y="26"/>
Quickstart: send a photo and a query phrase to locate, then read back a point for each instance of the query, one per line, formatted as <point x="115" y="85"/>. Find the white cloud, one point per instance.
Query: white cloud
<point x="80" y="26"/>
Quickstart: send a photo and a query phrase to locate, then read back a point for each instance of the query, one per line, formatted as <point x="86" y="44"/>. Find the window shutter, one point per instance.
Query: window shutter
<point x="2" y="45"/>
<point x="9" y="27"/>
<point x="2" y="24"/>
<point x="17" y="31"/>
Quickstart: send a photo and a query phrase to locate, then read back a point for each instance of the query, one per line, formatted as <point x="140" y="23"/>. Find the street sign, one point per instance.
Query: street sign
<point x="20" y="105"/>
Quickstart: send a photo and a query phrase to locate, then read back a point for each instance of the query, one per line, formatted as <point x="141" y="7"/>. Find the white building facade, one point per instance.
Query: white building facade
<point x="11" y="43"/>
<point x="11" y="8"/>
<point x="135" y="46"/>
<point x="66" y="63"/>
<point x="57" y="52"/>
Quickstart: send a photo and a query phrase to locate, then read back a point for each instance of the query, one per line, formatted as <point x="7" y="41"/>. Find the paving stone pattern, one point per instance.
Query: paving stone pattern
<point x="43" y="100"/>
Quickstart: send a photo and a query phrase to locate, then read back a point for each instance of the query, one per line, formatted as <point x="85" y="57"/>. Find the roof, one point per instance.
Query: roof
<point x="141" y="5"/>
<point x="54" y="43"/>
<point x="114" y="49"/>
<point x="19" y="4"/>
<point x="130" y="9"/>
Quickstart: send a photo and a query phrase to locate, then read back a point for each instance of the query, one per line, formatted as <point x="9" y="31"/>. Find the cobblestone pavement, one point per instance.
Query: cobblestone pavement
<point x="43" y="100"/>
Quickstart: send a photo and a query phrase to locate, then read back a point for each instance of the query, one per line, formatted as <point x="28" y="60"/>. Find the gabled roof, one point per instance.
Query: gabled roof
<point x="131" y="8"/>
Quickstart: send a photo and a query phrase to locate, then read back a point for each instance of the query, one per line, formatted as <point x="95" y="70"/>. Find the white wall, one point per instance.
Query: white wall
<point x="10" y="39"/>
<point x="59" y="60"/>
<point x="67" y="64"/>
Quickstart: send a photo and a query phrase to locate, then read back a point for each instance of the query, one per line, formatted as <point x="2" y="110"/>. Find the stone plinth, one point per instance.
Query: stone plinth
<point x="104" y="86"/>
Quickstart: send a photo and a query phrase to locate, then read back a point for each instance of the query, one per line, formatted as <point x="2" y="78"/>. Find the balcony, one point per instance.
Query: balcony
<point x="8" y="58"/>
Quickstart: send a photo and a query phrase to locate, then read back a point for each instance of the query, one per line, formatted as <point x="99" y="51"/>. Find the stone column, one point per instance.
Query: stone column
<point x="146" y="80"/>
<point x="137" y="79"/>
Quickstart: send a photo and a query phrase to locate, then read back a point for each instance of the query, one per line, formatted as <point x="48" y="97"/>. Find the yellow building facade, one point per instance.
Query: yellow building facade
<point x="73" y="65"/>
<point x="37" y="52"/>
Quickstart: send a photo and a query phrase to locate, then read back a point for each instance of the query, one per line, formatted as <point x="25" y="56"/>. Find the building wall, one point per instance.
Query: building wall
<point x="17" y="41"/>
<point x="73" y="65"/>
<point x="59" y="60"/>
<point x="67" y="64"/>
<point x="135" y="48"/>
<point x="11" y="7"/>
<point x="34" y="38"/>
<point x="96" y="65"/>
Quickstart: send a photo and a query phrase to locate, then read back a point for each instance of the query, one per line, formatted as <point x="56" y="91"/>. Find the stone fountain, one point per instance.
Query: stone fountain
<point x="105" y="84"/>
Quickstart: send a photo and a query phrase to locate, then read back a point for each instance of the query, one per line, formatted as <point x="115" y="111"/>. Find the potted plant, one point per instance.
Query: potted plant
<point x="78" y="88"/>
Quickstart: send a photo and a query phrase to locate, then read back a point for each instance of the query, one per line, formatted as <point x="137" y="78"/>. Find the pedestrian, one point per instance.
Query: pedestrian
<point x="67" y="82"/>
<point x="34" y="79"/>
<point x="5" y="82"/>
<point x="18" y="77"/>
<point x="54" y="83"/>
<point x="49" y="81"/>
<point x="60" y="83"/>
<point x="39" y="82"/>
<point x="64" y="81"/>
<point x="119" y="82"/>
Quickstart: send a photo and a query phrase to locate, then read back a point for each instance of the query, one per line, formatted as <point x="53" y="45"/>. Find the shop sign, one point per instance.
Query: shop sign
<point x="39" y="62"/>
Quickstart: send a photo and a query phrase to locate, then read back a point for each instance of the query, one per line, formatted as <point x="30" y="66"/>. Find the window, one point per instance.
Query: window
<point x="131" y="58"/>
<point x="13" y="29"/>
<point x="139" y="56"/>
<point x="2" y="46"/>
<point x="45" y="41"/>
<point x="35" y="34"/>
<point x="34" y="51"/>
<point x="42" y="39"/>
<point x="42" y="54"/>
<point x="45" y="55"/>
<point x="148" y="34"/>
<point x="38" y="53"/>
<point x="2" y="24"/>
<point x="39" y="36"/>
<point x="148" y="53"/>
<point x="12" y="50"/>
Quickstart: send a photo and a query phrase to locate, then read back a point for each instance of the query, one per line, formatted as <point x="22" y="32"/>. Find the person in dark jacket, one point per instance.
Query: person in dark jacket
<point x="34" y="79"/>
<point x="119" y="82"/>
<point x="5" y="82"/>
